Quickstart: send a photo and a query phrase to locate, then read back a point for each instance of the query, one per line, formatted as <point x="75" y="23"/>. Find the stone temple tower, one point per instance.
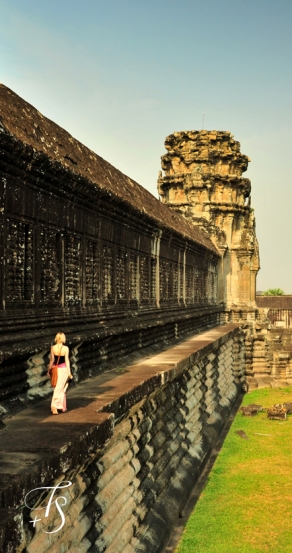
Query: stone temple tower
<point x="203" y="181"/>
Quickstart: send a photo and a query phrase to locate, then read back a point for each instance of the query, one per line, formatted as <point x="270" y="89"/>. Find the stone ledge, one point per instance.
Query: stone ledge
<point x="36" y="448"/>
<point x="130" y="387"/>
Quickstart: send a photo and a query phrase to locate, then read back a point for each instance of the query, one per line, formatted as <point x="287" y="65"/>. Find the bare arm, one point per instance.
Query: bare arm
<point x="67" y="360"/>
<point x="52" y="357"/>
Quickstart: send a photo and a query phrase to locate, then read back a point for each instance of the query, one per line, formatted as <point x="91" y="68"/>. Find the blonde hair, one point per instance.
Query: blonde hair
<point x="60" y="337"/>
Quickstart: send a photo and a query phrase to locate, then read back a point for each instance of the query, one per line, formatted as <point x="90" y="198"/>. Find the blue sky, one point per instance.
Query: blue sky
<point x="120" y="75"/>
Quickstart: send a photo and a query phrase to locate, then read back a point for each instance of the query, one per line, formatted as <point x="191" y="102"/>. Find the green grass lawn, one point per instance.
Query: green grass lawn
<point x="246" y="505"/>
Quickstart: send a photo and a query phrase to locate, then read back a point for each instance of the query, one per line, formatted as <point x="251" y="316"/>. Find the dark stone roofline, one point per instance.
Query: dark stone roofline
<point x="20" y="120"/>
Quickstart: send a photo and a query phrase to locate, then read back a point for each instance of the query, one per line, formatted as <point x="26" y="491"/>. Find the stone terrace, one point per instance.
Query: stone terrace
<point x="111" y="445"/>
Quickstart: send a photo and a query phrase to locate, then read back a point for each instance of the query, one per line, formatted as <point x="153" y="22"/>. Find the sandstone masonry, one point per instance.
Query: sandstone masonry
<point x="203" y="181"/>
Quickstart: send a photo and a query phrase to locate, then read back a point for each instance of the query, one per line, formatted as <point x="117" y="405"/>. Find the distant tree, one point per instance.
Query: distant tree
<point x="274" y="292"/>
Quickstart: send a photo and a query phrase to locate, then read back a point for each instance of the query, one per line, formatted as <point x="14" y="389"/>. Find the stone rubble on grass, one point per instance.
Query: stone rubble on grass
<point x="251" y="410"/>
<point x="277" y="412"/>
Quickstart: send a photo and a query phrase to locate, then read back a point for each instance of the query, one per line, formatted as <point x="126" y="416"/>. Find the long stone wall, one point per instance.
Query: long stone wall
<point x="133" y="467"/>
<point x="86" y="250"/>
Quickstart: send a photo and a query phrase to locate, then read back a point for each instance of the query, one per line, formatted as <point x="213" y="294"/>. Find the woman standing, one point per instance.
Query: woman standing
<point x="60" y="357"/>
